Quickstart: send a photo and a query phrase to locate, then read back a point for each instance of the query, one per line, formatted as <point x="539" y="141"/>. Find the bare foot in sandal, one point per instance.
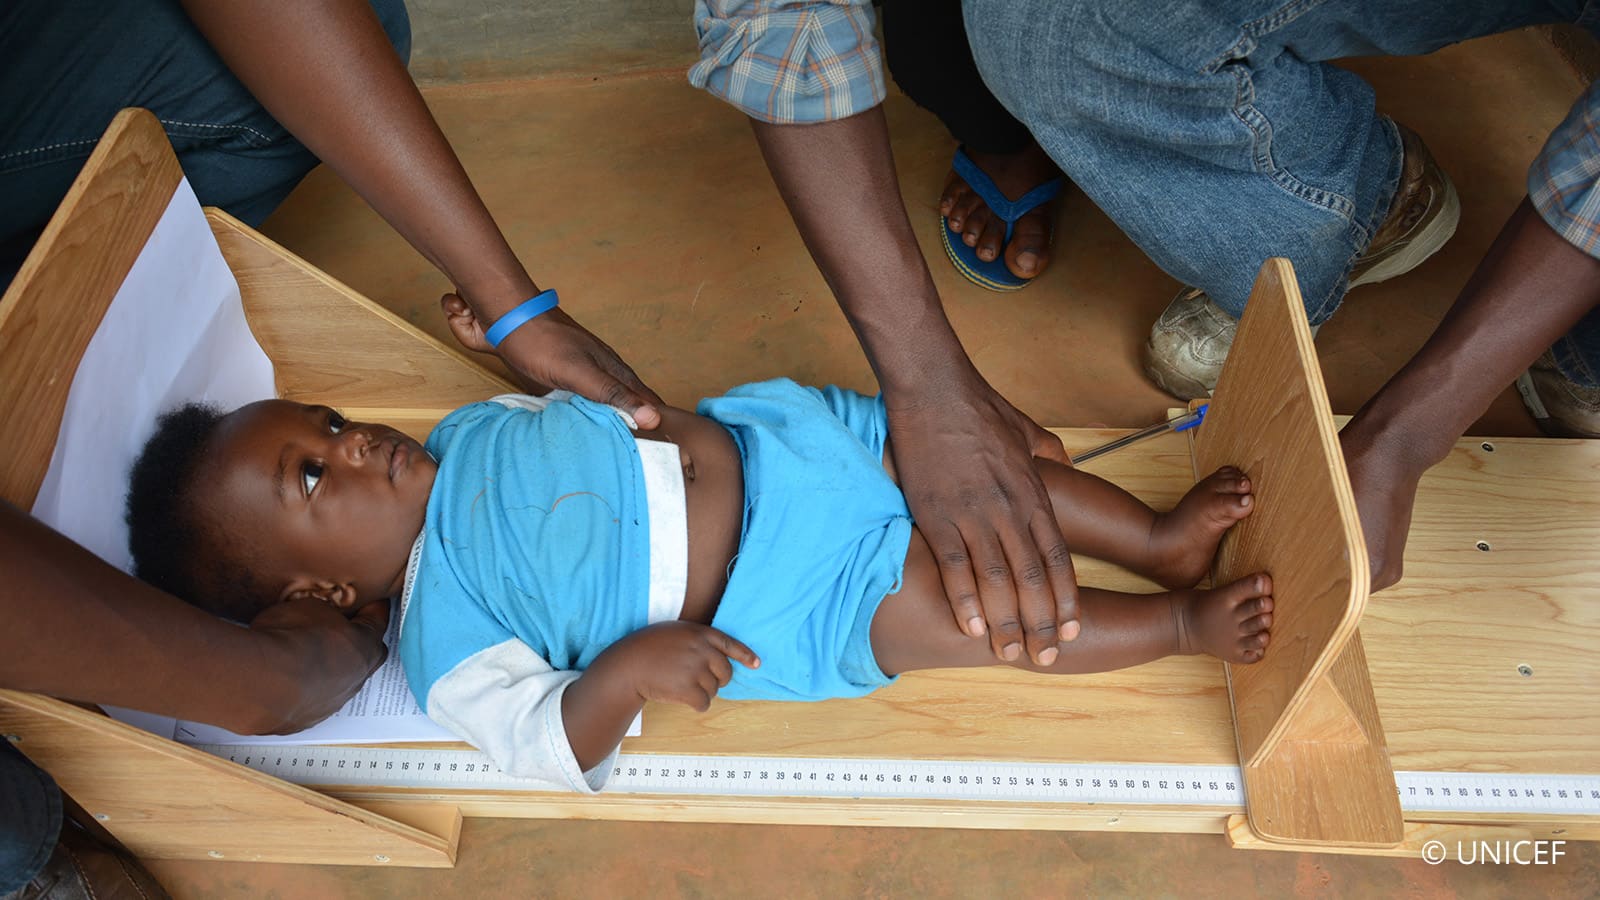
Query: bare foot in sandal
<point x="968" y="214"/>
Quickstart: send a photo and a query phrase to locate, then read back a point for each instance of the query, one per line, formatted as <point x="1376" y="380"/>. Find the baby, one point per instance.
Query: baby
<point x="557" y="570"/>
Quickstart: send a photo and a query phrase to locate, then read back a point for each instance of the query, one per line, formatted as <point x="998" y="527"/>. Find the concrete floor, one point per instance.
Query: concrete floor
<point x="646" y="203"/>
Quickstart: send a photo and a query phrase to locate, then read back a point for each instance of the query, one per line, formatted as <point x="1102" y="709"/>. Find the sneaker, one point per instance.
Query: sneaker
<point x="1190" y="340"/>
<point x="1560" y="407"/>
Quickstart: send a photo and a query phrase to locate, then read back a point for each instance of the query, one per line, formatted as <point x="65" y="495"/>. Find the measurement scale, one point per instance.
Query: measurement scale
<point x="896" y="779"/>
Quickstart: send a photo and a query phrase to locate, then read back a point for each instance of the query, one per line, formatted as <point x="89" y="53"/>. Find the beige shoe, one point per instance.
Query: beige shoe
<point x="1560" y="407"/>
<point x="1190" y="340"/>
<point x="1425" y="213"/>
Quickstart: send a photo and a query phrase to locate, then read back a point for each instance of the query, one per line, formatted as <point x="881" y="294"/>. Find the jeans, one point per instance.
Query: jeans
<point x="1216" y="134"/>
<point x="70" y="65"/>
<point x="30" y="818"/>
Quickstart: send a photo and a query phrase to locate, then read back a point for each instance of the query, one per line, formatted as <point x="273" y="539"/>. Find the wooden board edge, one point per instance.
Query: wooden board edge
<point x="223" y="223"/>
<point x="97" y="726"/>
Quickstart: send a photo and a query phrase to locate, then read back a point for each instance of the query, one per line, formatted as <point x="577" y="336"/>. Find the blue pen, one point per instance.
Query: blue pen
<point x="1177" y="423"/>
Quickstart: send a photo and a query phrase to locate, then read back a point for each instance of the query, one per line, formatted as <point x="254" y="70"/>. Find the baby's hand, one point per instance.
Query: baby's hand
<point x="682" y="662"/>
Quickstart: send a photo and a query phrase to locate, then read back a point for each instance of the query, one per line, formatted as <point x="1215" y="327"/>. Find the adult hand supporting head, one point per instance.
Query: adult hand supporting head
<point x="965" y="462"/>
<point x="61" y="604"/>
<point x="332" y="656"/>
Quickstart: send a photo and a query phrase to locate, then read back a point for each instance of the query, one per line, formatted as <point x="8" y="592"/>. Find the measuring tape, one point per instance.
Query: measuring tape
<point x="891" y="779"/>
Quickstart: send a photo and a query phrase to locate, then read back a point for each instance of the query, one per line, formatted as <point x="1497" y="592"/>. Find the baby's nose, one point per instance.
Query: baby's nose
<point x="357" y="442"/>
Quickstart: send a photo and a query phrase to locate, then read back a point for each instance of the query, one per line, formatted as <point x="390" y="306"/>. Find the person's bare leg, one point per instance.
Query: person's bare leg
<point x="913" y="630"/>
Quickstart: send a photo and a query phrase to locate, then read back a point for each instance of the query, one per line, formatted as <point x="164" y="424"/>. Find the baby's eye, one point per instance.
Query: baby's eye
<point x="310" y="475"/>
<point x="335" y="421"/>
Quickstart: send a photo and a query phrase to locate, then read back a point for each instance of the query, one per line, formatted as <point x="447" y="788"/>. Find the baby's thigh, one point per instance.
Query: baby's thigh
<point x="914" y="627"/>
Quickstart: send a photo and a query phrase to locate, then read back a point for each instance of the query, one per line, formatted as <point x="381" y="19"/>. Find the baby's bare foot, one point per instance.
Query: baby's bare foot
<point x="1185" y="539"/>
<point x="1229" y="623"/>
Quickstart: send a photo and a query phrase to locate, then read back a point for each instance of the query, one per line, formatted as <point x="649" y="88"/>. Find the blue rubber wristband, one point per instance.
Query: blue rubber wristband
<point x="519" y="316"/>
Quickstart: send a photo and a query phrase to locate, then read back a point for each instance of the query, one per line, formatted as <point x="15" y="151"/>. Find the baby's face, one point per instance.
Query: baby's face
<point x="319" y="499"/>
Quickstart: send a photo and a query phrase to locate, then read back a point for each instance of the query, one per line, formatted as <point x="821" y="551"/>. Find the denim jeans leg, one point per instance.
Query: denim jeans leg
<point x="1215" y="134"/>
<point x="1577" y="353"/>
<point x="30" y="818"/>
<point x="72" y="64"/>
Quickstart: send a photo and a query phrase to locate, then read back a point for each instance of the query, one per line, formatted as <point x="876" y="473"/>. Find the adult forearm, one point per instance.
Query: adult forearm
<point x="79" y="629"/>
<point x="327" y="73"/>
<point x="839" y="182"/>
<point x="1531" y="288"/>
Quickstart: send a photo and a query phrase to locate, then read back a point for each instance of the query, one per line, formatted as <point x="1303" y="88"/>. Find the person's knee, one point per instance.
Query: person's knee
<point x="1044" y="59"/>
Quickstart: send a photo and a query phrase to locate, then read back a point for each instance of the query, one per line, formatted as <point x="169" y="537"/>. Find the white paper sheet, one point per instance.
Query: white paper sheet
<point x="175" y="333"/>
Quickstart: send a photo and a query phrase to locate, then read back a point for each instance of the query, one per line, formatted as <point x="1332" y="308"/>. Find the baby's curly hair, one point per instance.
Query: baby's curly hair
<point x="173" y="547"/>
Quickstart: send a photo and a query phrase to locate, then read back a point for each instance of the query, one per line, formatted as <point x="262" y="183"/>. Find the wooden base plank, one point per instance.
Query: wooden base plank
<point x="1448" y="836"/>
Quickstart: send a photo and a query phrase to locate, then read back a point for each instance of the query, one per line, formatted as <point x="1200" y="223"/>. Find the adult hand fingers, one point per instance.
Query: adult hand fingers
<point x="955" y="572"/>
<point x="1063" y="578"/>
<point x="332" y="655"/>
<point x="996" y="590"/>
<point x="374" y="620"/>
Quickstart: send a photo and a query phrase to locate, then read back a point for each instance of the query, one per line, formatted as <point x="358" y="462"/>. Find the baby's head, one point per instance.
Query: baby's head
<point x="275" y="501"/>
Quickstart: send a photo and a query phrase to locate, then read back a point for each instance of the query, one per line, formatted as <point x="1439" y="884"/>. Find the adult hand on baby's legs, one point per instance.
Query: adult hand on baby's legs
<point x="965" y="460"/>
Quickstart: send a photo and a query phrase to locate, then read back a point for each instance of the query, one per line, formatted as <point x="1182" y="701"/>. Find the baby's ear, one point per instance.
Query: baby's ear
<point x="339" y="596"/>
<point x="464" y="323"/>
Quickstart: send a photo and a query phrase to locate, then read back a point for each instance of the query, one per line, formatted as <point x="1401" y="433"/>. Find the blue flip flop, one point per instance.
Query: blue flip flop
<point x="992" y="275"/>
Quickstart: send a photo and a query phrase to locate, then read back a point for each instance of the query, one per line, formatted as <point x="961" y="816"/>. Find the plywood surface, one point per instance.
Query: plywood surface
<point x="163" y="800"/>
<point x="61" y="293"/>
<point x="330" y="345"/>
<point x="1443" y="645"/>
<point x="1270" y="418"/>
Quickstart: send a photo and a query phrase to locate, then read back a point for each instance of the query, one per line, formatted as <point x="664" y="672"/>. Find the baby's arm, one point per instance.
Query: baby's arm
<point x="670" y="662"/>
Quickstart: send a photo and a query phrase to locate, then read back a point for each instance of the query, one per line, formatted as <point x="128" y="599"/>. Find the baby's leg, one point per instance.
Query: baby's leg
<point x="1174" y="549"/>
<point x="913" y="628"/>
<point x="1100" y="520"/>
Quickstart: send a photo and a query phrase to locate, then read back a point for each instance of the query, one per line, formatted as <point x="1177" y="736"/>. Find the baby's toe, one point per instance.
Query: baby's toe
<point x="1254" y="607"/>
<point x="1229" y="480"/>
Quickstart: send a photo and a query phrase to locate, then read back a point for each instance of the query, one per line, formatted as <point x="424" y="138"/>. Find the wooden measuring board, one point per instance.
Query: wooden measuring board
<point x="1446" y="650"/>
